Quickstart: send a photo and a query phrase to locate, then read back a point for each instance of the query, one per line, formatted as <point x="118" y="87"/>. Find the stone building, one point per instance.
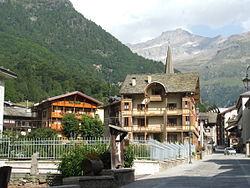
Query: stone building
<point x="158" y="106"/>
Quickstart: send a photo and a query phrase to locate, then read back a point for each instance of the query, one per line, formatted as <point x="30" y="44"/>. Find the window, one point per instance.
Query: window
<point x="172" y="138"/>
<point x="207" y="130"/>
<point x="172" y="121"/>
<point x="44" y="114"/>
<point x="126" y="122"/>
<point x="172" y="106"/>
<point x="156" y="91"/>
<point x="186" y="104"/>
<point x="141" y="122"/>
<point x="187" y="118"/>
<point x="141" y="107"/>
<point x="126" y="106"/>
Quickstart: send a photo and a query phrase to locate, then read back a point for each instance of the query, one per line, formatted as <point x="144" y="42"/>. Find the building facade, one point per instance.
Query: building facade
<point x="243" y="120"/>
<point x="4" y="74"/>
<point x="19" y="118"/>
<point x="51" y="111"/>
<point x="158" y="106"/>
<point x="228" y="117"/>
<point x="208" y="133"/>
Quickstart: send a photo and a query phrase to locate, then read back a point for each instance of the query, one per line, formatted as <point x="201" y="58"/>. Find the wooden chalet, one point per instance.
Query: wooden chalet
<point x="52" y="110"/>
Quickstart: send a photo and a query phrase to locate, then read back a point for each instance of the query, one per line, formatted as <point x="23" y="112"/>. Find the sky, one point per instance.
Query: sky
<point x="134" y="21"/>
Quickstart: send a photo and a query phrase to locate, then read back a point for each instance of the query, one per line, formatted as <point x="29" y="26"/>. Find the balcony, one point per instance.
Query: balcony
<point x="152" y="112"/>
<point x="127" y="113"/>
<point x="155" y="98"/>
<point x="186" y="111"/>
<point x="174" y="111"/>
<point x="73" y="104"/>
<point x="78" y="116"/>
<point x="143" y="129"/>
<point x="149" y="112"/>
<point x="179" y="128"/>
<point x="57" y="114"/>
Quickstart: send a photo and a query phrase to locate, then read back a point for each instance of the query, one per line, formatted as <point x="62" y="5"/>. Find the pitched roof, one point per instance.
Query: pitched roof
<point x="246" y="94"/>
<point x="7" y="73"/>
<point x="229" y="109"/>
<point x="239" y="101"/>
<point x="173" y="83"/>
<point x="18" y="112"/>
<point x="73" y="93"/>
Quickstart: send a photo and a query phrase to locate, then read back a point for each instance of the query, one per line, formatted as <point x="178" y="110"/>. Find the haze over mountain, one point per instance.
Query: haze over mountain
<point x="220" y="61"/>
<point x="54" y="50"/>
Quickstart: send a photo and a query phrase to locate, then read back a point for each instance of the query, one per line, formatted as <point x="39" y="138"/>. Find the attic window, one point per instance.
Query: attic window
<point x="156" y="91"/>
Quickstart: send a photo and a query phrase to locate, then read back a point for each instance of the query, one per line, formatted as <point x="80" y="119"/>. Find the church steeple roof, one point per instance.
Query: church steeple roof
<point x="169" y="69"/>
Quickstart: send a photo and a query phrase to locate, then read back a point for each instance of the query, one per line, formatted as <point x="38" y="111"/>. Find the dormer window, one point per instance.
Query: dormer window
<point x="156" y="91"/>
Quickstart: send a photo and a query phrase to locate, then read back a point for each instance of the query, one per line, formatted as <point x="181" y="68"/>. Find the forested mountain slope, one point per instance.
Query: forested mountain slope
<point x="54" y="49"/>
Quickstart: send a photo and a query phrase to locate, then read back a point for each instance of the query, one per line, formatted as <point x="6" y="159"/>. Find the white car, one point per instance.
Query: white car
<point x="229" y="151"/>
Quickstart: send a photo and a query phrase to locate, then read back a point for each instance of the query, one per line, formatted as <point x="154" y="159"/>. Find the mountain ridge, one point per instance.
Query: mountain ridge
<point x="221" y="61"/>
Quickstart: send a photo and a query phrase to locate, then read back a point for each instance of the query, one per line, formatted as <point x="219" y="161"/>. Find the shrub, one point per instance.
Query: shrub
<point x="129" y="156"/>
<point x="43" y="132"/>
<point x="91" y="127"/>
<point x="70" y="126"/>
<point x="70" y="164"/>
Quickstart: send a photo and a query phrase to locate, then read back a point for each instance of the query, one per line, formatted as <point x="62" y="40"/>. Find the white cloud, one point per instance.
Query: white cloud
<point x="136" y="20"/>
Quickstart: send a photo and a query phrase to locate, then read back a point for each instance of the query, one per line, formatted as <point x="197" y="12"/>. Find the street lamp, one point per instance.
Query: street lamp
<point x="246" y="80"/>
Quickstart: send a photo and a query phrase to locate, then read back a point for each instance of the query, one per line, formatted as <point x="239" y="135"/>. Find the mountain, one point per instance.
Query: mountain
<point x="54" y="49"/>
<point x="220" y="61"/>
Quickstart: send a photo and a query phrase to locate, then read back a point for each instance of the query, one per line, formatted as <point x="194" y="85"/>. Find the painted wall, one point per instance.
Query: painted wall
<point x="100" y="113"/>
<point x="175" y="98"/>
<point x="155" y="121"/>
<point x="2" y="90"/>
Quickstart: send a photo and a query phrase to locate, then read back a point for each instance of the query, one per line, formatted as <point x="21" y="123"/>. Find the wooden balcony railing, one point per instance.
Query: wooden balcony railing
<point x="175" y="111"/>
<point x="149" y="112"/>
<point x="57" y="114"/>
<point x="152" y="112"/>
<point x="143" y="129"/>
<point x="62" y="114"/>
<point x="155" y="98"/>
<point x="159" y="128"/>
<point x="73" y="104"/>
<point x="180" y="128"/>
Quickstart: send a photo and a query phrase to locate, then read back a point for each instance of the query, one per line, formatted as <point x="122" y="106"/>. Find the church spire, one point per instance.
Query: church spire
<point x="169" y="69"/>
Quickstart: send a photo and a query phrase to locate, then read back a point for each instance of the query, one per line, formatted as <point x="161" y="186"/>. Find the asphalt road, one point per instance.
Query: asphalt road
<point x="214" y="171"/>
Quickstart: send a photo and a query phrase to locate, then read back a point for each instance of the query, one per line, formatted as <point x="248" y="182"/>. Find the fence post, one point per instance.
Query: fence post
<point x="34" y="164"/>
<point x="8" y="145"/>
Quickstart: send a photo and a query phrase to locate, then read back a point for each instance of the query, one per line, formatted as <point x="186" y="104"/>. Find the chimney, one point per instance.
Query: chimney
<point x="149" y="79"/>
<point x="133" y="81"/>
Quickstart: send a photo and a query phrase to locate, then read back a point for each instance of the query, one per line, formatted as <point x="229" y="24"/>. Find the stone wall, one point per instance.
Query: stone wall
<point x="150" y="167"/>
